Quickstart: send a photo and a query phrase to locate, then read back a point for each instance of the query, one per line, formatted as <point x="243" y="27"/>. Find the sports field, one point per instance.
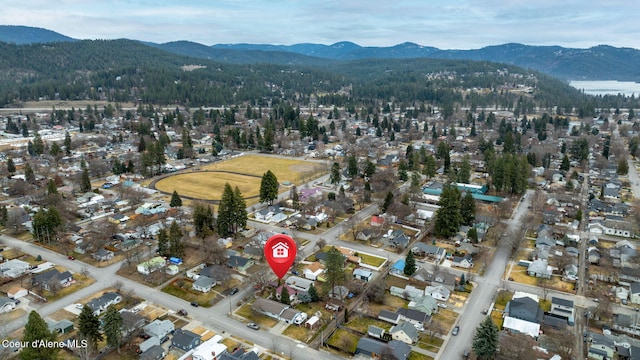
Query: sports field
<point x="245" y="172"/>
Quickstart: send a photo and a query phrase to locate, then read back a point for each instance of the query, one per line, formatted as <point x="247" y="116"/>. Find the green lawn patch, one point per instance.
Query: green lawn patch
<point x="344" y="340"/>
<point x="375" y="261"/>
<point x="361" y="323"/>
<point x="418" y="356"/>
<point x="182" y="288"/>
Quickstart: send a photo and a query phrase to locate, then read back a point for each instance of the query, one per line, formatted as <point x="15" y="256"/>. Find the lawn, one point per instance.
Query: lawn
<point x="230" y="344"/>
<point x="344" y="340"/>
<point x="297" y="332"/>
<point x="361" y="323"/>
<point x="182" y="288"/>
<point x="208" y="185"/>
<point x="519" y="274"/>
<point x="430" y="343"/>
<point x="418" y="356"/>
<point x="246" y="312"/>
<point x="295" y="171"/>
<point x="372" y="260"/>
<point x="445" y="319"/>
<point x="81" y="281"/>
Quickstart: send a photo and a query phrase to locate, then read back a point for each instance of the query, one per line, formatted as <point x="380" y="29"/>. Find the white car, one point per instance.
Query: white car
<point x="444" y="306"/>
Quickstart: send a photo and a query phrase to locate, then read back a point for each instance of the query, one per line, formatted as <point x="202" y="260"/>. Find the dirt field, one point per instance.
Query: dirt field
<point x="209" y="183"/>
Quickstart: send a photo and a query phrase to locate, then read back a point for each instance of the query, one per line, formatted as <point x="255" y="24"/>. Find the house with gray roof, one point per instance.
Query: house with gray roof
<point x="203" y="284"/>
<point x="601" y="347"/>
<point x="156" y="352"/>
<point x="375" y="332"/>
<point x="425" y="250"/>
<point x="47" y="280"/>
<point x="159" y="328"/>
<point x="405" y="332"/>
<point x="101" y="304"/>
<point x="185" y="340"/>
<point x="389" y="316"/>
<point x="416" y="317"/>
<point x="438" y="292"/>
<point x="240" y="354"/>
<point x="373" y="348"/>
<point x="14" y="268"/>
<point x="362" y="274"/>
<point x="539" y="268"/>
<point x="63" y="326"/>
<point x="241" y="264"/>
<point x="427" y="304"/>
<point x="103" y="254"/>
<point x="7" y="304"/>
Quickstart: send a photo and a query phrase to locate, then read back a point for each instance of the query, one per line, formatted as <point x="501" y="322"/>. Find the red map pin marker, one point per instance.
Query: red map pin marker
<point x="280" y="251"/>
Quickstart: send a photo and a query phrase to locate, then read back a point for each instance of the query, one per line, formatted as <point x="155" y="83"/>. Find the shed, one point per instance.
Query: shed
<point x="312" y="323"/>
<point x="17" y="292"/>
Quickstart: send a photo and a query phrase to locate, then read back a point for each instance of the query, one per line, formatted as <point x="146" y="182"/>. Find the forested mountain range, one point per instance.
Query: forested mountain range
<point x="131" y="71"/>
<point x="596" y="63"/>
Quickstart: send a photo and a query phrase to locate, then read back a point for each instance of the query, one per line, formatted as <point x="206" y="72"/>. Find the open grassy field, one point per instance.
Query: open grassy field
<point x="209" y="183"/>
<point x="291" y="170"/>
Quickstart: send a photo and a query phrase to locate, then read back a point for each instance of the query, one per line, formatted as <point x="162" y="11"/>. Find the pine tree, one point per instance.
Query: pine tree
<point x="485" y="341"/>
<point x="313" y="293"/>
<point x="85" y="181"/>
<point x="268" y="187"/>
<point x="176" y="201"/>
<point x="352" y="166"/>
<point x="285" y="298"/>
<point x="240" y="215"/>
<point x="225" y="212"/>
<point x="29" y="175"/>
<point x="176" y="247"/>
<point x="462" y="279"/>
<point x="334" y="273"/>
<point x="113" y="327"/>
<point x="335" y="176"/>
<point x="37" y="329"/>
<point x="11" y="166"/>
<point x="295" y="198"/>
<point x="448" y="217"/>
<point x="409" y="264"/>
<point x="388" y="200"/>
<point x="67" y="143"/>
<point x="163" y="242"/>
<point x="89" y="326"/>
<point x="203" y="219"/>
<point x="468" y="208"/>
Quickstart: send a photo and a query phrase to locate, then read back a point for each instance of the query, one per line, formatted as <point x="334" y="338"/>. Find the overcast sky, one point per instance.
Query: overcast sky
<point x="446" y="24"/>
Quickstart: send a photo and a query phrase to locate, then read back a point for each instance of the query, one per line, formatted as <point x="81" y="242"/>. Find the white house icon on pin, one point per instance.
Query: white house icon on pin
<point x="280" y="250"/>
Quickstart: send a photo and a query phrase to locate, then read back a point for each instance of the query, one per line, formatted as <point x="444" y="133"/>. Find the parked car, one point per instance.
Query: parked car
<point x="233" y="291"/>
<point x="253" y="326"/>
<point x="485" y="312"/>
<point x="71" y="257"/>
<point x="195" y="304"/>
<point x="455" y="330"/>
<point x="183" y="312"/>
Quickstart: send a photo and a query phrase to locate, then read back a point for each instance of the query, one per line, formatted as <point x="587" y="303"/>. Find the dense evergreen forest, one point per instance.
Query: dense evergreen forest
<point x="125" y="70"/>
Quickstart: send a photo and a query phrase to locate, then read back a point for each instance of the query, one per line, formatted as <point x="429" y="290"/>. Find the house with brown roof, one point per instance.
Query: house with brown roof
<point x="313" y="270"/>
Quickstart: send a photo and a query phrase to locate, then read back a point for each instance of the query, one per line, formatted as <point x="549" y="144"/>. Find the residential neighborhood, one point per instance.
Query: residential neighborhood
<point x="407" y="242"/>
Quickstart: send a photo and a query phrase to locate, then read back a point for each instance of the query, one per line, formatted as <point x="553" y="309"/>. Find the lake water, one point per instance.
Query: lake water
<point x="607" y="87"/>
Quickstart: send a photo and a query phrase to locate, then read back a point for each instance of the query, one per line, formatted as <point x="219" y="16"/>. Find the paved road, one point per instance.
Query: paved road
<point x="215" y="318"/>
<point x="486" y="288"/>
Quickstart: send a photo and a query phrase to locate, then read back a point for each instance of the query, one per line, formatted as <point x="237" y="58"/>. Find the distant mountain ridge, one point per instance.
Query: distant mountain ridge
<point x="601" y="62"/>
<point x="22" y="35"/>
